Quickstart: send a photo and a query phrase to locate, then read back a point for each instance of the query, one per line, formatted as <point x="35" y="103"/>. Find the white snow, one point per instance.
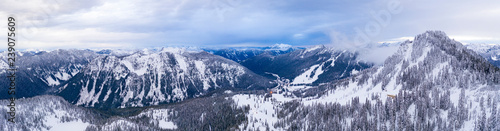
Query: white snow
<point x="62" y="76"/>
<point x="297" y="87"/>
<point x="332" y="59"/>
<point x="312" y="48"/>
<point x="73" y="72"/>
<point x="306" y="78"/>
<point x="131" y="68"/>
<point x="181" y="62"/>
<point x="167" y="125"/>
<point x="107" y="95"/>
<point x="160" y="115"/>
<point x="173" y="50"/>
<point x="468" y="125"/>
<point x="74" y="126"/>
<point x="117" y="123"/>
<point x="178" y="93"/>
<point x="261" y="111"/>
<point x="440" y="67"/>
<point x="354" y="71"/>
<point x="54" y="122"/>
<point x="344" y="95"/>
<point x="128" y="65"/>
<point x="145" y="51"/>
<point x="205" y="85"/>
<point x="96" y="96"/>
<point x="84" y="95"/>
<point x="200" y="66"/>
<point x="281" y="47"/>
<point x="51" y="81"/>
<point x="481" y="47"/>
<point x="141" y="71"/>
<point x="128" y="96"/>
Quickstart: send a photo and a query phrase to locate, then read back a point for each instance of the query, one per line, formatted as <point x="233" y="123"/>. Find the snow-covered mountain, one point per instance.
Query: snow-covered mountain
<point x="151" y="78"/>
<point x="39" y="71"/>
<point x="432" y="60"/>
<point x="431" y="83"/>
<point x="491" y="52"/>
<point x="311" y="66"/>
<point x="243" y="53"/>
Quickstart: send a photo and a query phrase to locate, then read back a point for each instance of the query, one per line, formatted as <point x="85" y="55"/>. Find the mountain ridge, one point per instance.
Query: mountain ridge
<point x="314" y="65"/>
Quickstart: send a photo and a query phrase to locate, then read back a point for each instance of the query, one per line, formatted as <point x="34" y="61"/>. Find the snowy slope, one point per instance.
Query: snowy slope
<point x="263" y="111"/>
<point x="431" y="60"/>
<point x="490" y="52"/>
<point x="159" y="117"/>
<point x="419" y="85"/>
<point x="47" y="113"/>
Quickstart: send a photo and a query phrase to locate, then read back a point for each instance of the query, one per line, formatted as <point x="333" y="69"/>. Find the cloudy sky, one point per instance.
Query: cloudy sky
<point x="50" y="24"/>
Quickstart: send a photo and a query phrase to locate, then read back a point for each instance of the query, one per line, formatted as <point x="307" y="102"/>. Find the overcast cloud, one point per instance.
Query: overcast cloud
<point x="50" y="24"/>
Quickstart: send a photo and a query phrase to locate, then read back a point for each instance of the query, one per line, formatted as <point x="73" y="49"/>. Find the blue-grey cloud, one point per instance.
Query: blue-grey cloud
<point x="149" y="23"/>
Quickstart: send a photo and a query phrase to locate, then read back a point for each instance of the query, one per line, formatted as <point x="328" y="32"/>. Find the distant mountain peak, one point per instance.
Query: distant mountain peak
<point x="437" y="38"/>
<point x="280" y="46"/>
<point x="433" y="42"/>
